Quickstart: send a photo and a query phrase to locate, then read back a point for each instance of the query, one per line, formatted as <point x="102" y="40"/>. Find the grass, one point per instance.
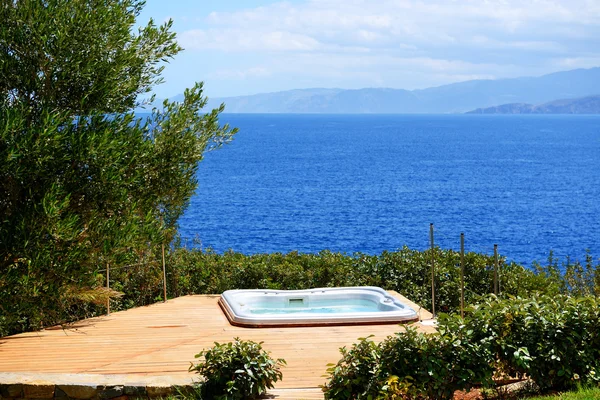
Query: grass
<point x="579" y="394"/>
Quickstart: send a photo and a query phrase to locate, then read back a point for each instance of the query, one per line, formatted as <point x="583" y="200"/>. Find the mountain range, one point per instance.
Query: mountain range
<point x="582" y="105"/>
<point x="453" y="98"/>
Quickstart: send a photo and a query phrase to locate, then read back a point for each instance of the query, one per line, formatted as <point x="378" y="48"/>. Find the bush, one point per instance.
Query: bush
<point x="412" y="365"/>
<point x="576" y="279"/>
<point x="435" y="366"/>
<point x="194" y="271"/>
<point x="555" y="340"/>
<point x="238" y="370"/>
<point x="407" y="271"/>
<point x="356" y="375"/>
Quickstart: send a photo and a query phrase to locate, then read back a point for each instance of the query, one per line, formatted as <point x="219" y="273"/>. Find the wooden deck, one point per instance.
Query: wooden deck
<point x="162" y="339"/>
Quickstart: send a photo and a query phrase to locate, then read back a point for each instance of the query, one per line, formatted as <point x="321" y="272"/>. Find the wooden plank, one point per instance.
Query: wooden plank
<point x="162" y="339"/>
<point x="423" y="313"/>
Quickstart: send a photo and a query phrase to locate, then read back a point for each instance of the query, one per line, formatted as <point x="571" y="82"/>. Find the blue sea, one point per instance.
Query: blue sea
<point x="369" y="183"/>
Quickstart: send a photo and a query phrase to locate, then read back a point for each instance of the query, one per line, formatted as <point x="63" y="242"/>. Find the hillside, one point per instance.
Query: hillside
<point x="454" y="98"/>
<point x="582" y="105"/>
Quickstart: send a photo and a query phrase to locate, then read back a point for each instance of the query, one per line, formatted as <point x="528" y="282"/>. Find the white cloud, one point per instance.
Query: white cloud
<point x="242" y="40"/>
<point x="577" y="62"/>
<point x="330" y="22"/>
<point x="537" y="46"/>
<point x="254" y="72"/>
<point x="383" y="41"/>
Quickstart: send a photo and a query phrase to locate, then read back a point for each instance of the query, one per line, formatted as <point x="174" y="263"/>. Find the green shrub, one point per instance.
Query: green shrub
<point x="195" y="271"/>
<point x="435" y="366"/>
<point x="407" y="271"/>
<point x="356" y="375"/>
<point x="412" y="365"/>
<point x="555" y="340"/>
<point x="238" y="370"/>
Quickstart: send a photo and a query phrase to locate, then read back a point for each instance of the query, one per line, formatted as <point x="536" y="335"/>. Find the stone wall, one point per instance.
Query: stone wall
<point x="85" y="386"/>
<point x="84" y="392"/>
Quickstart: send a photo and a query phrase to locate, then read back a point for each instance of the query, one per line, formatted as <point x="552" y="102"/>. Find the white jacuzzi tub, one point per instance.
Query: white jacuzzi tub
<point x="323" y="306"/>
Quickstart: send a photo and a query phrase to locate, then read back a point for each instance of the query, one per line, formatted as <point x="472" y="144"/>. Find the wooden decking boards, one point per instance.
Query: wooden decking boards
<point x="162" y="339"/>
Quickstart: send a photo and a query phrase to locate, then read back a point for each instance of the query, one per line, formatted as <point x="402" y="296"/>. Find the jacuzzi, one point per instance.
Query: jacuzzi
<point x="324" y="306"/>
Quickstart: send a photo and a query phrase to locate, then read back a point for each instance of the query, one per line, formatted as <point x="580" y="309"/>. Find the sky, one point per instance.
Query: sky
<point x="241" y="47"/>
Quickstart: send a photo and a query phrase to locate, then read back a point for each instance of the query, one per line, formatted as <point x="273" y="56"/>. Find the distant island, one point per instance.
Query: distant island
<point x="581" y="105"/>
<point x="454" y="98"/>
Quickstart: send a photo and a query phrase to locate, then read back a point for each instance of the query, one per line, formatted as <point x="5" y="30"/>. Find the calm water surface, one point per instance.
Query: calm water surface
<point x="370" y="183"/>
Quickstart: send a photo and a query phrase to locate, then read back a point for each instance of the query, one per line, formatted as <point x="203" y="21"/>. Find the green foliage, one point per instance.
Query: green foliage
<point x="79" y="56"/>
<point x="422" y="362"/>
<point x="193" y="271"/>
<point x="405" y="270"/>
<point x="238" y="370"/>
<point x="576" y="279"/>
<point x="356" y="375"/>
<point x="554" y="340"/>
<point x="412" y="365"/>
<point x="82" y="189"/>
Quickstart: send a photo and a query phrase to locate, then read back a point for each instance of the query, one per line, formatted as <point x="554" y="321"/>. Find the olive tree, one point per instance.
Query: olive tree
<point x="84" y="181"/>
